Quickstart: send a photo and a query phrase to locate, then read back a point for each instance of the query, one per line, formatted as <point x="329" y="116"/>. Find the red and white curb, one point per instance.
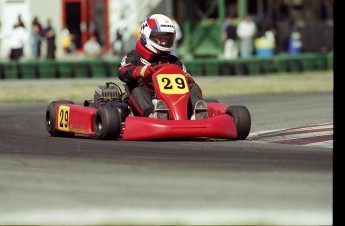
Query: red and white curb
<point x="316" y="135"/>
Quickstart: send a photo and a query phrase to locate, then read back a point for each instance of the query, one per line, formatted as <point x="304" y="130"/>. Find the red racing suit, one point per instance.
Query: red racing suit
<point x="140" y="96"/>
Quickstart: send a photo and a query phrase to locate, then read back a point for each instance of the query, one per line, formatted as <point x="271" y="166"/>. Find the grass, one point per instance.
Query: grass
<point x="43" y="90"/>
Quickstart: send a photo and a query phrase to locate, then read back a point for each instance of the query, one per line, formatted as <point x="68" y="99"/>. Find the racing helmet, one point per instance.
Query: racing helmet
<point x="158" y="33"/>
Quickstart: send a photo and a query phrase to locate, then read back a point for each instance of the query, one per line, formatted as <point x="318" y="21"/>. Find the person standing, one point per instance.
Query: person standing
<point x="49" y="34"/>
<point x="230" y="39"/>
<point x="295" y="43"/>
<point x="246" y="31"/>
<point x="36" y="30"/>
<point x="67" y="41"/>
<point x="17" y="39"/>
<point x="92" y="48"/>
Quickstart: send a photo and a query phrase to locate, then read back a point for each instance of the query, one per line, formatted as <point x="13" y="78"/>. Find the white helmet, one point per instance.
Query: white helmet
<point x="158" y="33"/>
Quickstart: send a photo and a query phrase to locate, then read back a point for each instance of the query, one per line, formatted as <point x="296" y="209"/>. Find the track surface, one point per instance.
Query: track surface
<point x="46" y="180"/>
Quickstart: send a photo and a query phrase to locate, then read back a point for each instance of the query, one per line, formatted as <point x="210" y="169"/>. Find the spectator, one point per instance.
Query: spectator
<point x="295" y="43"/>
<point x="266" y="41"/>
<point x="229" y="37"/>
<point x="245" y="31"/>
<point x="92" y="47"/>
<point x="67" y="41"/>
<point x="49" y="34"/>
<point x="36" y="30"/>
<point x="17" y="39"/>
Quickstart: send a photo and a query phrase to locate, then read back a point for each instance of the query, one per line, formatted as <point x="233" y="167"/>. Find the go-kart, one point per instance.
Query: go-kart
<point x="109" y="114"/>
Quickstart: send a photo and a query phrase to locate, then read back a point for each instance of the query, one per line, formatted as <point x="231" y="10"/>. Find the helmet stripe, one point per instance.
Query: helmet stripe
<point x="152" y="24"/>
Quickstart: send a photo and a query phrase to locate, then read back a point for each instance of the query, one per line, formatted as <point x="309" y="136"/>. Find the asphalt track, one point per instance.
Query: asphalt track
<point x="46" y="180"/>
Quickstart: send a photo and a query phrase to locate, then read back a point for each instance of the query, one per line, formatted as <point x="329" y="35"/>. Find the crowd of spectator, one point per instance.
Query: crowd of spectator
<point x="20" y="35"/>
<point x="248" y="38"/>
<point x="242" y="38"/>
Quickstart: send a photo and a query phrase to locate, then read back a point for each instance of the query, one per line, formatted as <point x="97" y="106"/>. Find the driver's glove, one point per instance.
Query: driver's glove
<point x="143" y="71"/>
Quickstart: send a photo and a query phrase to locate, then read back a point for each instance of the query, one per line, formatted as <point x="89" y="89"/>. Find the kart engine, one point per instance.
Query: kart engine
<point x="105" y="93"/>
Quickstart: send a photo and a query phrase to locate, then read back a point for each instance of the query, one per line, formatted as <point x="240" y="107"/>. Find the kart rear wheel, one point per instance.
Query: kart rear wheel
<point x="242" y="120"/>
<point x="51" y="119"/>
<point x="107" y="123"/>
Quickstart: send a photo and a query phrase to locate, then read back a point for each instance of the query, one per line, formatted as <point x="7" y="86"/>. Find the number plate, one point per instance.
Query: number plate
<point x="172" y="83"/>
<point x="63" y="118"/>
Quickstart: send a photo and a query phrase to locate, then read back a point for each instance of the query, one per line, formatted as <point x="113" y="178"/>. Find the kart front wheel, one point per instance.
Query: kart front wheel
<point x="107" y="123"/>
<point x="242" y="120"/>
<point x="51" y="119"/>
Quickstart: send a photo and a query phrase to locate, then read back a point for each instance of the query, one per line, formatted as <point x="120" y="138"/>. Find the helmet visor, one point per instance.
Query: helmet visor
<point x="164" y="39"/>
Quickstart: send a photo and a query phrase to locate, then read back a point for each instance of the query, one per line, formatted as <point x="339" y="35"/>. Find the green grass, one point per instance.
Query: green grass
<point x="39" y="90"/>
<point x="269" y="84"/>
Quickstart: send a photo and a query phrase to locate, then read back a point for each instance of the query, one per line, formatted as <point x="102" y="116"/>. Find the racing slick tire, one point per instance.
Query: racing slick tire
<point x="107" y="123"/>
<point x="51" y="119"/>
<point x="242" y="120"/>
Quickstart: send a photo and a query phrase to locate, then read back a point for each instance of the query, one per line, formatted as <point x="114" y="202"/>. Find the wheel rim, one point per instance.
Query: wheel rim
<point x="99" y="123"/>
<point x="48" y="121"/>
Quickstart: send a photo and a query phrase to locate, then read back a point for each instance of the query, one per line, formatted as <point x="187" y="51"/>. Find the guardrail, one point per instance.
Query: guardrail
<point x="197" y="67"/>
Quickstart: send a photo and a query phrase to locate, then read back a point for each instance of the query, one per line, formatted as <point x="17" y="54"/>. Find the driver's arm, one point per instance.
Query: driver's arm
<point x="131" y="68"/>
<point x="126" y="67"/>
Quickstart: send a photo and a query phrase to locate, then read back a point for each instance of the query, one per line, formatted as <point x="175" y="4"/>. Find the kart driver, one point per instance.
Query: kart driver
<point x="153" y="48"/>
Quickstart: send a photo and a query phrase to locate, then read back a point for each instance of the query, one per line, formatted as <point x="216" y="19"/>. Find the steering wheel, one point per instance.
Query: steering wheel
<point x="148" y="80"/>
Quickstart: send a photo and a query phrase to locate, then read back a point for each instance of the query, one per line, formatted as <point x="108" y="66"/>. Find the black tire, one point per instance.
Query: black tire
<point x="211" y="101"/>
<point x="51" y="119"/>
<point x="107" y="123"/>
<point x="242" y="120"/>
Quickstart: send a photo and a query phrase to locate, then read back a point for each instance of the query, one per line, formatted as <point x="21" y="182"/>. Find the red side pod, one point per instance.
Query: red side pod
<point x="141" y="128"/>
<point x="79" y="118"/>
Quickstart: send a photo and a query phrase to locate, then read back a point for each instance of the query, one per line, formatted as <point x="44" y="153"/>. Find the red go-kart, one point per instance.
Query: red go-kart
<point x="109" y="115"/>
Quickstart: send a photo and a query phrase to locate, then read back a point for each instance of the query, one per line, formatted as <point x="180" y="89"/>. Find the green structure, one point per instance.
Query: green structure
<point x="202" y="33"/>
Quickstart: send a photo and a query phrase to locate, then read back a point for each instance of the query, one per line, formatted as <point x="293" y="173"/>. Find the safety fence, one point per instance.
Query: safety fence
<point x="281" y="63"/>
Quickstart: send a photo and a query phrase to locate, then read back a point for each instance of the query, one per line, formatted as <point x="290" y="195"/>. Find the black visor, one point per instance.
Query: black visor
<point x="164" y="39"/>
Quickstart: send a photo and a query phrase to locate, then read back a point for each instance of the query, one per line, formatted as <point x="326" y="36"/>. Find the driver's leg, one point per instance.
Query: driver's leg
<point x="141" y="100"/>
<point x="199" y="107"/>
<point x="195" y="93"/>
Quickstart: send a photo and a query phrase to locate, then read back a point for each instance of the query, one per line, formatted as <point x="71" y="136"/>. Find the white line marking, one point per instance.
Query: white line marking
<point x="92" y="216"/>
<point x="268" y="136"/>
